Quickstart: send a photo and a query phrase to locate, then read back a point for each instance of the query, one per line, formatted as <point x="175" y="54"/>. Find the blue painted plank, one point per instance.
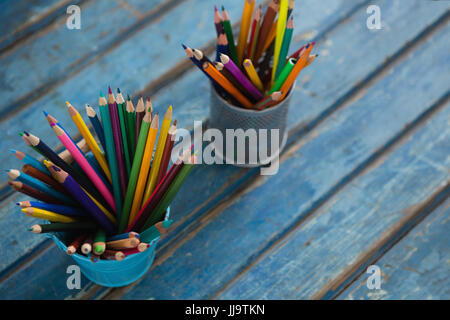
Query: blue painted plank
<point x="214" y="255"/>
<point x="182" y="113"/>
<point x="23" y="18"/>
<point x="49" y="57"/>
<point x="416" y="267"/>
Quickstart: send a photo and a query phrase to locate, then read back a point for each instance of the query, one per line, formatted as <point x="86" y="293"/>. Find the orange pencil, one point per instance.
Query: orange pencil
<point x="227" y="85"/>
<point x="299" y="65"/>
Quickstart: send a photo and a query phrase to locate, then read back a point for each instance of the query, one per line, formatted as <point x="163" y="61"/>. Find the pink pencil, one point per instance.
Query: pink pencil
<point x="84" y="164"/>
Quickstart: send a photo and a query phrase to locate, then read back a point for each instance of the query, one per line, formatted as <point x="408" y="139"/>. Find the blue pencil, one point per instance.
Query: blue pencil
<point x="92" y="115"/>
<point x="65" y="210"/>
<point x="30" y="160"/>
<point x="38" y="185"/>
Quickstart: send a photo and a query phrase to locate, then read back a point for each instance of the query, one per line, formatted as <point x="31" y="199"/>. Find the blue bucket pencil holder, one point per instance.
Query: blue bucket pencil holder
<point x="111" y="273"/>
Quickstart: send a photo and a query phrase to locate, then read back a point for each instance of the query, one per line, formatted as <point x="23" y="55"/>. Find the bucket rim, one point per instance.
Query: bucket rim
<point x="252" y="111"/>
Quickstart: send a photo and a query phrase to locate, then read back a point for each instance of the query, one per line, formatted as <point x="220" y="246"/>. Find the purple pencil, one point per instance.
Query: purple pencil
<point x="86" y="202"/>
<point x="118" y="143"/>
<point x="240" y="76"/>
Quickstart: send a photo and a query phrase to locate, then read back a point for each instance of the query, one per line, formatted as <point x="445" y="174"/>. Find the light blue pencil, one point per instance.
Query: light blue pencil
<point x="30" y="160"/>
<point x="38" y="185"/>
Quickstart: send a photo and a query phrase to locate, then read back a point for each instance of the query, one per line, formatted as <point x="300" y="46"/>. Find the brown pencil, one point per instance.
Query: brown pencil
<point x="31" y="192"/>
<point x="35" y="173"/>
<point x="73" y="247"/>
<point x="266" y="25"/>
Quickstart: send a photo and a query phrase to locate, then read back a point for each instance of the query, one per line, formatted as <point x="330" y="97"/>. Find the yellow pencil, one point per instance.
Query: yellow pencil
<point x="92" y="144"/>
<point x="158" y="155"/>
<point x="254" y="78"/>
<point x="244" y="29"/>
<point x="281" y="26"/>
<point x="47" y="215"/>
<point x="143" y="171"/>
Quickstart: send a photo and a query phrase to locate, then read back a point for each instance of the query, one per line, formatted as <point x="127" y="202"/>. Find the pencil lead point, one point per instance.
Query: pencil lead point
<point x="128" y="97"/>
<point x="101" y="94"/>
<point x="118" y="90"/>
<point x="45" y="113"/>
<point x="223" y="8"/>
<point x="215" y="8"/>
<point x="68" y="103"/>
<point x="184" y="47"/>
<point x="109" y="90"/>
<point x="26" y="133"/>
<point x="12" y="150"/>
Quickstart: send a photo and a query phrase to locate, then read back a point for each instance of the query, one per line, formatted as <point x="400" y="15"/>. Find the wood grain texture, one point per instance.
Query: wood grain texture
<point x="215" y="180"/>
<point x="417" y="267"/>
<point x="21" y="19"/>
<point x="217" y="253"/>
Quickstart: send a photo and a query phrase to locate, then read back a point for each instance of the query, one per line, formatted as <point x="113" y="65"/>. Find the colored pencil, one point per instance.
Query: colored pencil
<point x="47" y="215"/>
<point x="266" y="25"/>
<point x="283" y="75"/>
<point x="244" y="29"/>
<point x="113" y="255"/>
<point x="111" y="152"/>
<point x="226" y="85"/>
<point x="141" y="247"/>
<point x="61" y="209"/>
<point x="99" y="244"/>
<point x="86" y="134"/>
<point x="281" y="27"/>
<point x="284" y="47"/>
<point x="268" y="101"/>
<point x="229" y="33"/>
<point x="38" y="185"/>
<point x="123" y="243"/>
<point x="123" y="130"/>
<point x="77" y="192"/>
<point x="121" y="236"/>
<point x="165" y="159"/>
<point x="139" y="170"/>
<point x="47" y="179"/>
<point x="118" y="144"/>
<point x="29" y="160"/>
<point x="140" y="113"/>
<point x="222" y="46"/>
<point x="58" y="161"/>
<point x="86" y="247"/>
<point x="63" y="227"/>
<point x="84" y="164"/>
<point x="218" y="22"/>
<point x="158" y="213"/>
<point x="229" y="76"/>
<point x="253" y="75"/>
<point x="299" y="65"/>
<point x="255" y="36"/>
<point x="32" y="192"/>
<point x="156" y="163"/>
<point x="157" y="194"/>
<point x="131" y="126"/>
<point x="240" y="76"/>
<point x="155" y="231"/>
<point x="75" y="244"/>
<point x="96" y="124"/>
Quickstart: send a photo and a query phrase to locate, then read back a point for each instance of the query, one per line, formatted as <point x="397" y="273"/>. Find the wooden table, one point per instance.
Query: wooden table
<point x="364" y="179"/>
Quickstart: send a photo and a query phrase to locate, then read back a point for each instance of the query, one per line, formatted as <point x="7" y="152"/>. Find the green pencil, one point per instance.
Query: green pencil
<point x="283" y="75"/>
<point x="99" y="244"/>
<point x="158" y="213"/>
<point x="229" y="33"/>
<point x="111" y="152"/>
<point x="285" y="46"/>
<point x="123" y="222"/>
<point x="123" y="129"/>
<point x="131" y="126"/>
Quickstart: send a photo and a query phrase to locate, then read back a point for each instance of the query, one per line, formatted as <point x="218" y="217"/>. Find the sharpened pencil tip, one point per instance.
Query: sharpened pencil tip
<point x="45" y="113"/>
<point x="215" y="8"/>
<point x="184" y="47"/>
<point x="17" y="203"/>
<point x="223" y="8"/>
<point x="101" y="94"/>
<point x="12" y="150"/>
<point x="118" y="90"/>
<point x="128" y="97"/>
<point x="109" y="90"/>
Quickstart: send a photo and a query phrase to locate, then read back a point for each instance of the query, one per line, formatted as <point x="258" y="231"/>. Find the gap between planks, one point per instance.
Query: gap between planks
<point x="84" y="61"/>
